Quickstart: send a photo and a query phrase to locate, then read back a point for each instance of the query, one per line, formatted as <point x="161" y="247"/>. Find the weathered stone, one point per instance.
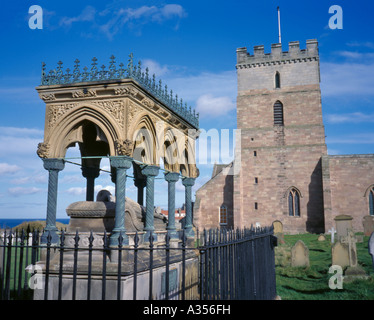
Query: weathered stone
<point x="278" y="226"/>
<point x="353" y="273"/>
<point x="344" y="252"/>
<point x="343" y="225"/>
<point x="300" y="255"/>
<point x="321" y="237"/>
<point x="340" y="254"/>
<point x="368" y="224"/>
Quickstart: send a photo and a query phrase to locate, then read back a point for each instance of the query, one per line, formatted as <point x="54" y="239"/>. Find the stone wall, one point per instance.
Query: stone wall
<point x="210" y="197"/>
<point x="347" y="179"/>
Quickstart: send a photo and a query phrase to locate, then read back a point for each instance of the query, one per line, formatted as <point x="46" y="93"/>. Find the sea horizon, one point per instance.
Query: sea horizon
<point x="10" y="223"/>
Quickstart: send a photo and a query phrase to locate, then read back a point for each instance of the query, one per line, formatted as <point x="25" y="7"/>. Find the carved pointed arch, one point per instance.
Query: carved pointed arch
<point x="69" y="130"/>
<point x="188" y="160"/>
<point x="285" y="195"/>
<point x="171" y="150"/>
<point x="145" y="141"/>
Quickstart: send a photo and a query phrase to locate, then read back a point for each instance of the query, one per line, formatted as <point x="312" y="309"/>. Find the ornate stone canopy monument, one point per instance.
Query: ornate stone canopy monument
<point x="125" y="114"/>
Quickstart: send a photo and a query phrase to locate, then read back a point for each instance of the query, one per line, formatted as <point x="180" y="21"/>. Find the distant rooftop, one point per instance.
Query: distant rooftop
<point x="156" y="88"/>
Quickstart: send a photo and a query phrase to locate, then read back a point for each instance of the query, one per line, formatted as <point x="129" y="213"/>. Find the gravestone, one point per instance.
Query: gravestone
<point x="344" y="252"/>
<point x="340" y="254"/>
<point x="368" y="223"/>
<point x="299" y="255"/>
<point x="371" y="247"/>
<point x="343" y="225"/>
<point x="321" y="237"/>
<point x="278" y="227"/>
<point x="352" y="250"/>
<point x="278" y="231"/>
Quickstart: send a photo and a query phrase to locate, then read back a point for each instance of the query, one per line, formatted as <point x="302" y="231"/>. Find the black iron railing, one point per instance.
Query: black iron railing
<point x="216" y="264"/>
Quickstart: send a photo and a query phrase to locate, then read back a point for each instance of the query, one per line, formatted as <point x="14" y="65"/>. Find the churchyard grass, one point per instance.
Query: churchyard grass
<point x="312" y="283"/>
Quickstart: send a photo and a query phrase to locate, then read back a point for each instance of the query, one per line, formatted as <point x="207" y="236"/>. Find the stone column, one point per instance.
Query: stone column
<point x="54" y="166"/>
<point x="90" y="174"/>
<point x="171" y="178"/>
<point x="150" y="172"/>
<point x="121" y="163"/>
<point x="188" y="183"/>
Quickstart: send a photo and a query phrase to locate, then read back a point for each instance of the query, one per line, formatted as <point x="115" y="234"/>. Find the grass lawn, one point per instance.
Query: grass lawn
<point x="312" y="283"/>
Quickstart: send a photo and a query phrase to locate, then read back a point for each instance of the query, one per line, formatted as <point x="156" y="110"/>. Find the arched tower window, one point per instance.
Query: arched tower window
<point x="371" y="201"/>
<point x="278" y="113"/>
<point x="294" y="203"/>
<point x="223" y="215"/>
<point x="277" y="80"/>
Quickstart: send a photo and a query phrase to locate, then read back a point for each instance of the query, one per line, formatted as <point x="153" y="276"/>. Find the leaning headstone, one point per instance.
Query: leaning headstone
<point x="278" y="226"/>
<point x="299" y="255"/>
<point x="278" y="231"/>
<point x="368" y="224"/>
<point x="343" y="225"/>
<point x="351" y="240"/>
<point x="354" y="271"/>
<point x="371" y="247"/>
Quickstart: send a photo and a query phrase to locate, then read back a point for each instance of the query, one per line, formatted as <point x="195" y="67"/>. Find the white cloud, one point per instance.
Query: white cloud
<point x="154" y="67"/>
<point x="358" y="138"/>
<point x="21" y="132"/>
<point x="366" y="44"/>
<point x="209" y="106"/>
<point x="347" y="79"/>
<point x="88" y="14"/>
<point x="11" y="146"/>
<point x="192" y="87"/>
<point x="134" y="18"/>
<point x="76" y="191"/>
<point x="19" y="141"/>
<point x="354" y="55"/>
<point x="6" y="168"/>
<point x="111" y="189"/>
<point x="355" y="117"/>
<point x="20" y="191"/>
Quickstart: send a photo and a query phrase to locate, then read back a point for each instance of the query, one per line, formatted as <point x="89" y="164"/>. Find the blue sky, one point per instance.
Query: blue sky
<point x="191" y="45"/>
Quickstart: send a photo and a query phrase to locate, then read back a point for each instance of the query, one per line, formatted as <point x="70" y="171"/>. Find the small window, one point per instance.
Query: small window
<point x="255" y="153"/>
<point x="294" y="203"/>
<point x="278" y="114"/>
<point x="256" y="180"/>
<point x="277" y="80"/>
<point x="223" y="215"/>
<point x="256" y="205"/>
<point x="371" y="201"/>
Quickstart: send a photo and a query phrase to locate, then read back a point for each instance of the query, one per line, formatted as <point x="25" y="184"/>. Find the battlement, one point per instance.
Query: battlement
<point x="277" y="55"/>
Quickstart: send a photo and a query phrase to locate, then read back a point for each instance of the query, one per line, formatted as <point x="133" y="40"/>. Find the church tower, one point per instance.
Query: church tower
<point x="279" y="115"/>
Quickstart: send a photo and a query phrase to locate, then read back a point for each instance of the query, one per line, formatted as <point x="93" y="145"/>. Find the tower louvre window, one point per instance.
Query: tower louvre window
<point x="277" y="80"/>
<point x="278" y="114"/>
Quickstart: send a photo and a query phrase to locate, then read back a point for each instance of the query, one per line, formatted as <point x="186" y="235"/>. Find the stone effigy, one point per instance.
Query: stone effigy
<point x="99" y="215"/>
